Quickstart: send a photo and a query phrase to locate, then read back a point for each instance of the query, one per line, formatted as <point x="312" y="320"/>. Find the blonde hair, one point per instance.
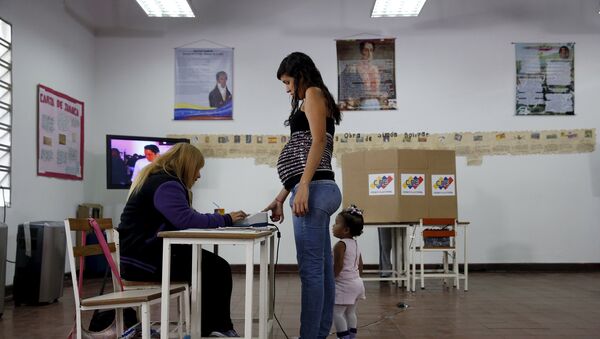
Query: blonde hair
<point x="182" y="161"/>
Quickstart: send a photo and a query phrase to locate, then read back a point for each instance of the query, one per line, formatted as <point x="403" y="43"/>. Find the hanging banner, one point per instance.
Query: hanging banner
<point x="203" y="84"/>
<point x="366" y="74"/>
<point x="545" y="79"/>
<point x="60" y="135"/>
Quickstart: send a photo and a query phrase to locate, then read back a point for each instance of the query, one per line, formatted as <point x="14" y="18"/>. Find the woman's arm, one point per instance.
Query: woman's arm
<point x="276" y="207"/>
<point x="316" y="114"/>
<point x="338" y="257"/>
<point x="170" y="199"/>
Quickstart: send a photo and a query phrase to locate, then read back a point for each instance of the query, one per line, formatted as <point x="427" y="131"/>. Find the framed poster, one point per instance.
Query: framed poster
<point x="203" y="84"/>
<point x="545" y="79"/>
<point x="366" y="74"/>
<point x="60" y="135"/>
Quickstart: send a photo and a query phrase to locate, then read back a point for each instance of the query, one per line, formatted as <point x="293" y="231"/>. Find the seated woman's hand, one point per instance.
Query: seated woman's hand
<point x="237" y="215"/>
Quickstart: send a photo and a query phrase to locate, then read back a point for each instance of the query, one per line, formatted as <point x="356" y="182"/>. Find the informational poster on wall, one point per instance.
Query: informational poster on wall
<point x="412" y="184"/>
<point x="381" y="184"/>
<point x="366" y="74"/>
<point x="60" y="135"/>
<point x="545" y="79"/>
<point x="443" y="185"/>
<point x="203" y="84"/>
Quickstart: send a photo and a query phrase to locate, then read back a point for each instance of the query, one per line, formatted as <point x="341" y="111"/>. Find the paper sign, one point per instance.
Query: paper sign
<point x="443" y="185"/>
<point x="381" y="184"/>
<point x="412" y="184"/>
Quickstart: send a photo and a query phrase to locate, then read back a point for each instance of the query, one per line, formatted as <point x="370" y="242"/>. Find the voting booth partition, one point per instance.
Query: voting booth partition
<point x="399" y="185"/>
<point x="397" y="188"/>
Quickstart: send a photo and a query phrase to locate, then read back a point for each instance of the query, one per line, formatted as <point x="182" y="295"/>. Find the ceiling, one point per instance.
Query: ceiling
<point x="121" y="17"/>
<point x="125" y="18"/>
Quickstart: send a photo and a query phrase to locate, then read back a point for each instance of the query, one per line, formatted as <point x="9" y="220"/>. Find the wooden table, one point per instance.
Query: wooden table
<point x="400" y="253"/>
<point x="248" y="237"/>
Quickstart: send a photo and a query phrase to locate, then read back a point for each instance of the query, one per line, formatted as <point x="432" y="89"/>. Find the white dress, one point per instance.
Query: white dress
<point x="349" y="286"/>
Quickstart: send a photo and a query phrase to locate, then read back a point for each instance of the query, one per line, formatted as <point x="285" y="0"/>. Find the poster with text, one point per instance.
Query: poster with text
<point x="366" y="74"/>
<point x="443" y="185"/>
<point x="203" y="84"/>
<point x="545" y="79"/>
<point x="60" y="135"/>
<point x="381" y="184"/>
<point x="412" y="184"/>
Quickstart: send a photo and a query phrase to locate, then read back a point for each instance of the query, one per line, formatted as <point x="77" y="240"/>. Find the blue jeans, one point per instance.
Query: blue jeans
<point x="315" y="262"/>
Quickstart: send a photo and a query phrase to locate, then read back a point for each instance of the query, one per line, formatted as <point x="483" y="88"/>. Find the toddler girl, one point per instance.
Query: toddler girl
<point x="347" y="266"/>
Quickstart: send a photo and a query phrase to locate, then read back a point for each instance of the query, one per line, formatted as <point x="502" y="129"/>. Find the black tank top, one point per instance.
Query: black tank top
<point x="292" y="159"/>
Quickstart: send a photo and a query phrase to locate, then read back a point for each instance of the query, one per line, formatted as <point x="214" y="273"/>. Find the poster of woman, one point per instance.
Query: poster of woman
<point x="366" y="74"/>
<point x="203" y="84"/>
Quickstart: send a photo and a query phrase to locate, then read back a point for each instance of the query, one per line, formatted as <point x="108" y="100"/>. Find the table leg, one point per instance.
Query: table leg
<point x="263" y="292"/>
<point x="466" y="262"/>
<point x="405" y="257"/>
<point x="249" y="290"/>
<point x="271" y="299"/>
<point x="165" y="297"/>
<point x="196" y="292"/>
<point x="396" y="262"/>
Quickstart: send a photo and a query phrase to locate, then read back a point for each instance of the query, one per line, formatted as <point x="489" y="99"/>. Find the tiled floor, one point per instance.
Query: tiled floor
<point x="498" y="305"/>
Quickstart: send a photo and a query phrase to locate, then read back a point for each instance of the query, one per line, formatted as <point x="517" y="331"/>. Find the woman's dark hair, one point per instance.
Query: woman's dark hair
<point x="301" y="67"/>
<point x="353" y="219"/>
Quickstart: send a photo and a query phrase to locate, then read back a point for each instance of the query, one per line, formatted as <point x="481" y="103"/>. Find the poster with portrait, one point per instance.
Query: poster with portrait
<point x="203" y="84"/>
<point x="545" y="83"/>
<point x="366" y="74"/>
<point x="60" y="135"/>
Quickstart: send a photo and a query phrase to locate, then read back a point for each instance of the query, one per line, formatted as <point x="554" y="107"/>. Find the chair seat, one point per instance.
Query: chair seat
<point x="437" y="248"/>
<point x="128" y="297"/>
<point x="124" y="297"/>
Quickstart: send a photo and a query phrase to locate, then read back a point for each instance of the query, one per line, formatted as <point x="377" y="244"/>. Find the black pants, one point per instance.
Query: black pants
<point x="216" y="285"/>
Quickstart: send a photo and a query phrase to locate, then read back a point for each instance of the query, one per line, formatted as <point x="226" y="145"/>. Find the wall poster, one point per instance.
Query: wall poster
<point x="381" y="184"/>
<point x="60" y="135"/>
<point x="545" y="79"/>
<point x="366" y="74"/>
<point x="203" y="84"/>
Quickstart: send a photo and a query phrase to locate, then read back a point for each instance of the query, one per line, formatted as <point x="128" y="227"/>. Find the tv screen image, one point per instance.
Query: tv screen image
<point x="127" y="155"/>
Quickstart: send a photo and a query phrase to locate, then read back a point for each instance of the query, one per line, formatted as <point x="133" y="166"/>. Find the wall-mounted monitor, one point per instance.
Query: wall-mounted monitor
<point x="127" y="155"/>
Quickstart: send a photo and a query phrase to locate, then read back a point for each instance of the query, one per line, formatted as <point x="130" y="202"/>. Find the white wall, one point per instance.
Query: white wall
<point x="50" y="49"/>
<point x="455" y="72"/>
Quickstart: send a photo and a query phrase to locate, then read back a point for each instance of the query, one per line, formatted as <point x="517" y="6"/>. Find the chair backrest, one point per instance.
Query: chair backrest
<point x="80" y="227"/>
<point x="438" y="222"/>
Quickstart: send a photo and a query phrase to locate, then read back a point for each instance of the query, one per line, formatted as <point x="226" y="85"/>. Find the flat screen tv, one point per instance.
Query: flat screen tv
<point x="126" y="155"/>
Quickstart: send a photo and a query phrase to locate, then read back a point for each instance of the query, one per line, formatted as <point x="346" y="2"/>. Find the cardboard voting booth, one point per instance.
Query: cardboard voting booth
<point x="401" y="185"/>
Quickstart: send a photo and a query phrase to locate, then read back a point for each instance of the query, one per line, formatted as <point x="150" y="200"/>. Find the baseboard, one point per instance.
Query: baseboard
<point x="495" y="267"/>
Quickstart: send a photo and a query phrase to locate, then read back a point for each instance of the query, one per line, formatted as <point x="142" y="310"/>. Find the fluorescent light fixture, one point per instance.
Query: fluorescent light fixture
<point x="395" y="8"/>
<point x="166" y="8"/>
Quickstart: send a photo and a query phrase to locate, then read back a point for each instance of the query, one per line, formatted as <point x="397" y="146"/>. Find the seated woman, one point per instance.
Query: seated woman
<point x="160" y="200"/>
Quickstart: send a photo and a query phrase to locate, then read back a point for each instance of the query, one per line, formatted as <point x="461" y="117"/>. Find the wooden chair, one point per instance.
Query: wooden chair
<point x="118" y="299"/>
<point x="440" y="228"/>
<point x="183" y="299"/>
